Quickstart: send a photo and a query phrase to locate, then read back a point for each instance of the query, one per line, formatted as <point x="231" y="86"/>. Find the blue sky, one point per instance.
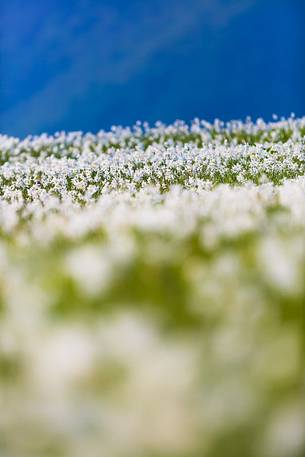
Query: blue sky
<point x="89" y="64"/>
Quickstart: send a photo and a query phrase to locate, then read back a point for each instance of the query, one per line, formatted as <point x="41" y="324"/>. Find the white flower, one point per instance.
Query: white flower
<point x="89" y="268"/>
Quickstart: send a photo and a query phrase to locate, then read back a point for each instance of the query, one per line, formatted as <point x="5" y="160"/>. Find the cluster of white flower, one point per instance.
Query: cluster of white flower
<point x="152" y="295"/>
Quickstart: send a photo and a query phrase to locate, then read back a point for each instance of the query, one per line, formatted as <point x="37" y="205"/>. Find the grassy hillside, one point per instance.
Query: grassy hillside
<point x="152" y="292"/>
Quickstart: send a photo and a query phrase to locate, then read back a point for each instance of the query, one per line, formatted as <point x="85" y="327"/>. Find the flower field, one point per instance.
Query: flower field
<point x="152" y="291"/>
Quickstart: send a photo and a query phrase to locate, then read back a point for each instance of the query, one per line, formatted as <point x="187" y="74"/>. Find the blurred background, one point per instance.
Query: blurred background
<point x="89" y="64"/>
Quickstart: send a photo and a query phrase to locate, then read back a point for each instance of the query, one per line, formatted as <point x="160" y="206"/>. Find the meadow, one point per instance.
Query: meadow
<point x="152" y="291"/>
